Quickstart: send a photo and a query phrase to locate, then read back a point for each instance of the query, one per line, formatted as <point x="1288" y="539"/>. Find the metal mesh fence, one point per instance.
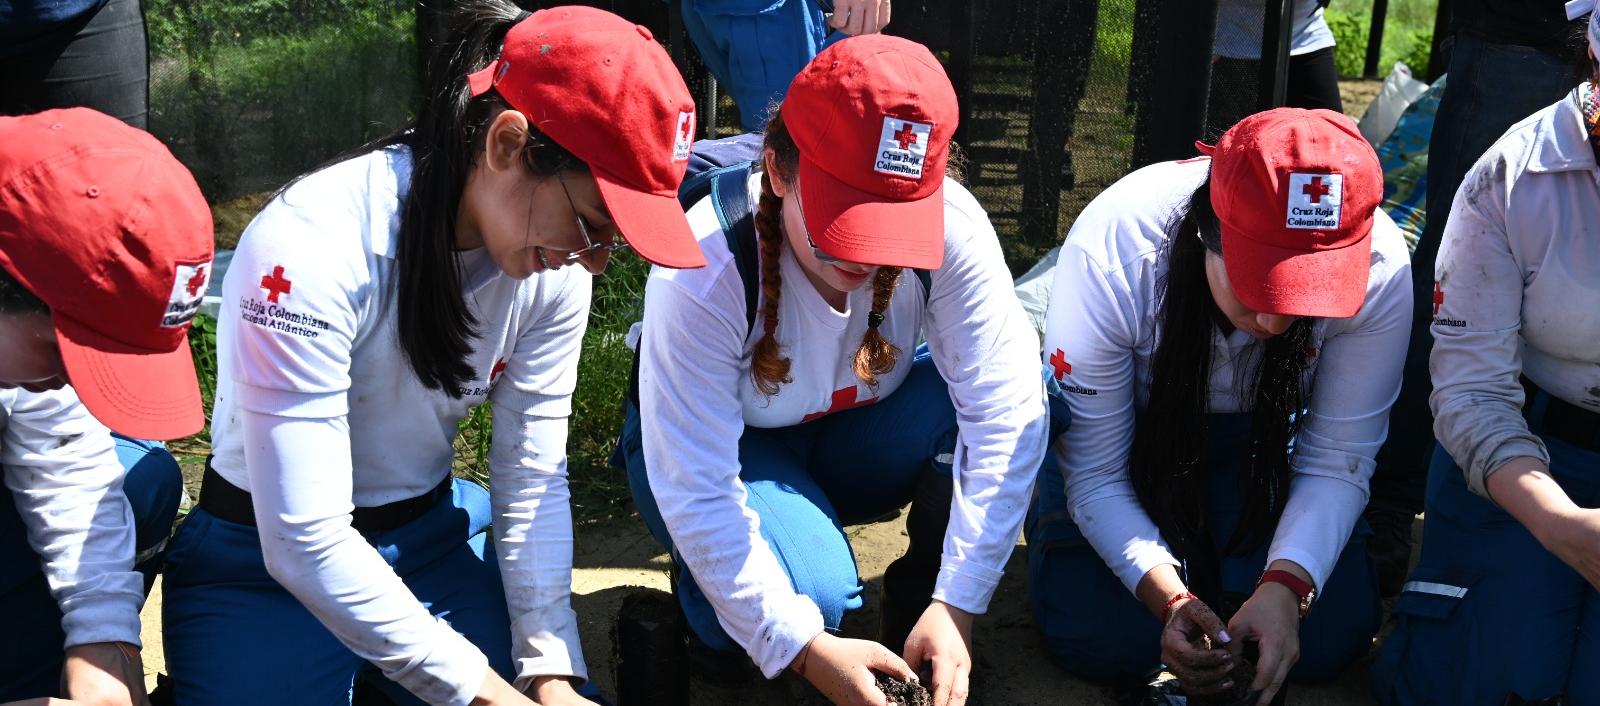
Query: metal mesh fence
<point x="1060" y="98"/>
<point x="250" y="93"/>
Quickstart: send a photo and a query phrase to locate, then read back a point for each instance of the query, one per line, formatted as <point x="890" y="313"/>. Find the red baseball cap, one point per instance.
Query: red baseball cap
<point x="99" y="221"/>
<point x="1295" y="192"/>
<point x="603" y="89"/>
<point x="872" y="116"/>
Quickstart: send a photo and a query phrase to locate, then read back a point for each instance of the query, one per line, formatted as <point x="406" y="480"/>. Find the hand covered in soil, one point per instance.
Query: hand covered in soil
<point x="943" y="637"/>
<point x="1271" y="619"/>
<point x="856" y="17"/>
<point x="1193" y="646"/>
<point x="556" y="691"/>
<point x="842" y="669"/>
<point x="104" y="674"/>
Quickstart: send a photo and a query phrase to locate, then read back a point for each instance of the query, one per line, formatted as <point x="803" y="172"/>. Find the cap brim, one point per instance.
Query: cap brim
<point x="1324" y="283"/>
<point x="137" y="393"/>
<point x="854" y="225"/>
<point x="653" y="224"/>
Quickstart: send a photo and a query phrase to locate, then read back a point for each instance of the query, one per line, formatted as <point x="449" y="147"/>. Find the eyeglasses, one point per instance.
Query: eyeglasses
<point x="589" y="246"/>
<point x="816" y="252"/>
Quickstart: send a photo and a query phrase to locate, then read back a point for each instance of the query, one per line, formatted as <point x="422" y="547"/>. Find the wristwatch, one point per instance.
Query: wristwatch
<point x="1301" y="588"/>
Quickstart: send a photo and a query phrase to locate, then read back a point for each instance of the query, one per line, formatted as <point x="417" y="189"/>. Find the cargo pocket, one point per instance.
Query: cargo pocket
<point x="1424" y="660"/>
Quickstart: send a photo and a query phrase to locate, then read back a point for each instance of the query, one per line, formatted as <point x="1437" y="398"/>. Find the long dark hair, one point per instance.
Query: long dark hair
<point x="1168" y="455"/>
<point x="436" y="327"/>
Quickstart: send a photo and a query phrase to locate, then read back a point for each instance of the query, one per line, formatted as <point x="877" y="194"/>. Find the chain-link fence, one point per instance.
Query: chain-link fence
<point x="250" y="93"/>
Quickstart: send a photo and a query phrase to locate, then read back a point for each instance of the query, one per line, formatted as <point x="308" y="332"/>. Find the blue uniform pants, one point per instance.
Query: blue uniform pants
<point x="1489" y="611"/>
<point x="756" y="47"/>
<point x="235" y="636"/>
<point x="1096" y="629"/>
<point x="31" y="649"/>
<point x="806" y="482"/>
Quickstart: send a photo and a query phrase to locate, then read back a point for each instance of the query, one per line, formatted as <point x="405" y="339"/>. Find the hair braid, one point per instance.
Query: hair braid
<point x="768" y="367"/>
<point x="877" y="355"/>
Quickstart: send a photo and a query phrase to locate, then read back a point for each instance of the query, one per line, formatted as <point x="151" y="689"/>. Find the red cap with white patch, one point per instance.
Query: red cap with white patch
<point x="872" y="116"/>
<point x="1295" y="191"/>
<point x="99" y="221"/>
<point x="605" y="90"/>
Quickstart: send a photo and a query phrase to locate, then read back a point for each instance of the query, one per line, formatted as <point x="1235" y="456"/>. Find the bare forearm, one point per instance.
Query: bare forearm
<point x="1524" y="488"/>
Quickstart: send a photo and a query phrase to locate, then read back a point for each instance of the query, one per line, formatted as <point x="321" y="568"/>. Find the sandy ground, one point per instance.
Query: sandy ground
<point x="617" y="557"/>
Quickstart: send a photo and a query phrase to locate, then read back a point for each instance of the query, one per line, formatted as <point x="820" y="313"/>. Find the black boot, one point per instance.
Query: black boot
<point x="908" y="582"/>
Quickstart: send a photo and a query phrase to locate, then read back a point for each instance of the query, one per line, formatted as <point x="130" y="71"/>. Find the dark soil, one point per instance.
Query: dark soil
<point x="907" y="693"/>
<point x="1244" y="672"/>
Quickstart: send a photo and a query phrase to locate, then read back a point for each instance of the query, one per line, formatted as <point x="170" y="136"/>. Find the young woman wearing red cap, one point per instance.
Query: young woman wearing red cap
<point x="368" y="308"/>
<point x="762" y="430"/>
<point x="1229" y="332"/>
<point x="1504" y="605"/>
<point x="105" y="253"/>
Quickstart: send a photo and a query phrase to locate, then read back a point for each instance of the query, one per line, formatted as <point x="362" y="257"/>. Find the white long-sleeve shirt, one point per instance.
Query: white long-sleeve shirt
<point x="318" y="411"/>
<point x="1102" y="332"/>
<point x="61" y="467"/>
<point x="1518" y="290"/>
<point x="696" y="398"/>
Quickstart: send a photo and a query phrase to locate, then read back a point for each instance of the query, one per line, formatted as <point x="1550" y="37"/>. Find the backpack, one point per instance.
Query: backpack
<point x="721" y="169"/>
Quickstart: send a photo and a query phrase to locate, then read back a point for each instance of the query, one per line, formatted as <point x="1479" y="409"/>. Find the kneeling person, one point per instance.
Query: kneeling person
<point x="105" y="252"/>
<point x="1230" y="333"/>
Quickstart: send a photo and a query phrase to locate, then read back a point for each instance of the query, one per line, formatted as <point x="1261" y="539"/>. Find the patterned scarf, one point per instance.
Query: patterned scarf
<point x="1590" y="102"/>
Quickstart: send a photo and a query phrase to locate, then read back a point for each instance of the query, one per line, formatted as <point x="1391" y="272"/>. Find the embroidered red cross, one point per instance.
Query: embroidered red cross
<point x="1438" y="298"/>
<point x="499" y="367"/>
<point x="843" y="398"/>
<point x="1316" y="189"/>
<point x="197" y="281"/>
<point x="683" y="127"/>
<point x="905" y="136"/>
<point x="1058" y="361"/>
<point x="275" y="284"/>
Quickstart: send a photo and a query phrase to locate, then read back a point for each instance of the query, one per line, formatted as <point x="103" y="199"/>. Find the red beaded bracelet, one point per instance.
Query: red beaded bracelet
<point x="1166" y="613"/>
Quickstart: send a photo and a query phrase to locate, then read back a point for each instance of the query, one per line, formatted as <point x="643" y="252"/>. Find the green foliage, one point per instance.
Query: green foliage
<point x="1407" y="35"/>
<point x="250" y="94"/>
<point x="203" y="347"/>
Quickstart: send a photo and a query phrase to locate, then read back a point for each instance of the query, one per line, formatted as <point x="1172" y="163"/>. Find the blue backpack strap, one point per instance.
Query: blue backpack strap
<point x="729" y="189"/>
<point x="926" y="278"/>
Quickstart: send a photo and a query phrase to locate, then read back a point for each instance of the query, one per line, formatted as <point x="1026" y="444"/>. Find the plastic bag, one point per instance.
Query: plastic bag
<point x="1399" y="91"/>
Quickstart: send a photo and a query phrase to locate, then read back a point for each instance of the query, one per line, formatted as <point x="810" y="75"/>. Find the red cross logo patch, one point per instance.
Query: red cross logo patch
<point x="1316" y="201"/>
<point x="189" y="282"/>
<point x="275" y="284"/>
<point x="1438" y="297"/>
<point x="683" y="139"/>
<point x="494" y="373"/>
<point x="1059" y="366"/>
<point x="902" y="147"/>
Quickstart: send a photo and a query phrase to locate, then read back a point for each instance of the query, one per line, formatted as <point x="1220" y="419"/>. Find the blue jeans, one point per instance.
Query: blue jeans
<point x="806" y="482"/>
<point x="1096" y="629"/>
<point x="31" y="652"/>
<point x="235" y="636"/>
<point x="756" y="47"/>
<point x="1489" y="611"/>
<point x="1491" y="88"/>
